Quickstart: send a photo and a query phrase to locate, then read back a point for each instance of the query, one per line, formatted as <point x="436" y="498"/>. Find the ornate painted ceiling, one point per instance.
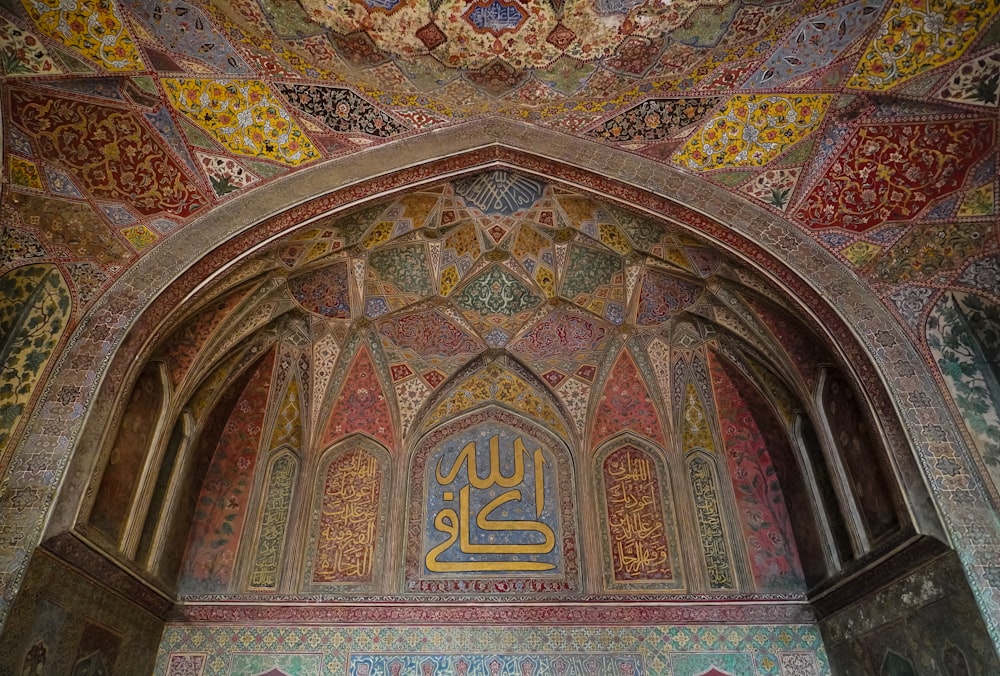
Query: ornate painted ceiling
<point x="430" y="284"/>
<point x="871" y="125"/>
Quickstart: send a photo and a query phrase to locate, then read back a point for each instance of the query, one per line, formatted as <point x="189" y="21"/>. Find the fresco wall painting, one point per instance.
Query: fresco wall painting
<point x="221" y="508"/>
<point x="702" y="473"/>
<point x="268" y="556"/>
<point x="524" y="516"/>
<point x="963" y="333"/>
<point x="714" y="542"/>
<point x="923" y="623"/>
<point x="177" y="446"/>
<point x="185" y="488"/>
<point x="35" y="305"/>
<point x="766" y="528"/>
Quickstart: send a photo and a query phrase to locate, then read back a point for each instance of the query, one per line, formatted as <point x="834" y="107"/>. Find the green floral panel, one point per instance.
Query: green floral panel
<point x="497" y="292"/>
<point x="587" y="270"/>
<point x="404" y="267"/>
<point x="963" y="333"/>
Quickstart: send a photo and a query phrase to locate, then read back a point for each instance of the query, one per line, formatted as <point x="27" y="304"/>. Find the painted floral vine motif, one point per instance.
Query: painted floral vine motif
<point x="963" y="333"/>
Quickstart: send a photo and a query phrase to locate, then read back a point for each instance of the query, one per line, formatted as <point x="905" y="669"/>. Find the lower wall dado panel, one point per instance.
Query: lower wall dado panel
<point x="926" y="622"/>
<point x="682" y="650"/>
<point x="64" y="622"/>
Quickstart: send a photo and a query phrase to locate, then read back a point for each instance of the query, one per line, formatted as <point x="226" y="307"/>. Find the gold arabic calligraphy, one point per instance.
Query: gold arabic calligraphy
<point x="635" y="519"/>
<point x="346" y="541"/>
<point x="456" y="524"/>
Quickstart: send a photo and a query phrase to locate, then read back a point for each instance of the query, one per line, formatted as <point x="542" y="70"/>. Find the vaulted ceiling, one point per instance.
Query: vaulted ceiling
<point x="868" y="126"/>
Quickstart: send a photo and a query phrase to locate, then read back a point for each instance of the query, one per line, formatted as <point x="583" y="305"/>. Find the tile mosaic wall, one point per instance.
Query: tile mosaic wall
<point x="925" y="623"/>
<point x="682" y="650"/>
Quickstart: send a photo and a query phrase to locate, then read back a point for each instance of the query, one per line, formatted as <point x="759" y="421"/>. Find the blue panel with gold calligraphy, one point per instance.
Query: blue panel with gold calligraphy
<point x="492" y="506"/>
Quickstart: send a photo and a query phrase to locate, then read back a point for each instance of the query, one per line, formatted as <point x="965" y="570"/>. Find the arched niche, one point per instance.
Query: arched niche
<point x="347" y="519"/>
<point x="715" y="537"/>
<point x="635" y="503"/>
<point x="490" y="510"/>
<point x="500" y="379"/>
<point x="225" y="484"/>
<point x="871" y="495"/>
<point x="204" y="417"/>
<point x="767" y="242"/>
<point x="168" y="475"/>
<point x="129" y="461"/>
<point x="266" y="547"/>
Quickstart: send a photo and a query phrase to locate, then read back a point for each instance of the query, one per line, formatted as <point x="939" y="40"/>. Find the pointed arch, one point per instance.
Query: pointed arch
<point x="127" y="453"/>
<point x="349" y="507"/>
<point x="496" y="379"/>
<point x="502" y="141"/>
<point x="361" y="406"/>
<point x="221" y="508"/>
<point x="703" y="479"/>
<point x="270" y="540"/>
<point x="638" y="516"/>
<point x="625" y="404"/>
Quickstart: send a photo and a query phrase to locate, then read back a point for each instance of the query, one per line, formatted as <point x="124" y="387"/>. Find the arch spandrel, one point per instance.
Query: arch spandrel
<point x="763" y="239"/>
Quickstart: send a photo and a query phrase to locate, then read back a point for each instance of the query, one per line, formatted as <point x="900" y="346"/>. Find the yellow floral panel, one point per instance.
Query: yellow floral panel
<point x="978" y="202"/>
<point x="25" y="173"/>
<point x="752" y="130"/>
<point x="242" y="115"/>
<point x="94" y="28"/>
<point x="861" y="253"/>
<point x="23" y="52"/>
<point x="139" y="236"/>
<point x="696" y="431"/>
<point x="497" y="384"/>
<point x="918" y="35"/>
<point x="380" y="234"/>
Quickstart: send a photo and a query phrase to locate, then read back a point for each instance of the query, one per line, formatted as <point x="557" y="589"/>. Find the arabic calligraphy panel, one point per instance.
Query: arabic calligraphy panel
<point x="266" y="570"/>
<point x="637" y="515"/>
<point x="349" y="517"/>
<point x="491" y="513"/>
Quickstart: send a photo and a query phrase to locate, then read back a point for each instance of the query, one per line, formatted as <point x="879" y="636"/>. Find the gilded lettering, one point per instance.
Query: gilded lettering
<point x="457" y="524"/>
